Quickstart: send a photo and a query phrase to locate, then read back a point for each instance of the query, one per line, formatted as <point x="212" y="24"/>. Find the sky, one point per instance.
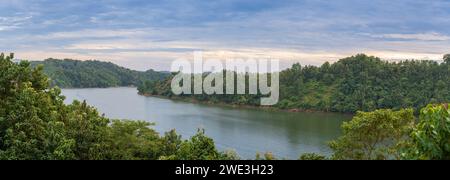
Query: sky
<point x="142" y="34"/>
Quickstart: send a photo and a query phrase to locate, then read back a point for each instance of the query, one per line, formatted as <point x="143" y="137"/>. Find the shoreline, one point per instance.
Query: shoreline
<point x="252" y="107"/>
<point x="221" y="104"/>
<point x="94" y="87"/>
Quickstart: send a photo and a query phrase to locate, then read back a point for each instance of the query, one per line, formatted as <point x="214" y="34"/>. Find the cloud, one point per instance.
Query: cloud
<point x="12" y="22"/>
<point x="133" y="33"/>
<point x="420" y="36"/>
<point x="96" y="33"/>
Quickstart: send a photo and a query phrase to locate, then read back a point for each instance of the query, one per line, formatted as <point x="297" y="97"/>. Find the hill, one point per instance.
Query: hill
<point x="70" y="73"/>
<point x="357" y="83"/>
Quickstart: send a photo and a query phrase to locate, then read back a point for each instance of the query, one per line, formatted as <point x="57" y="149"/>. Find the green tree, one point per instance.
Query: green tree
<point x="171" y="143"/>
<point x="199" y="147"/>
<point x="36" y="124"/>
<point x="69" y="73"/>
<point x="134" y="140"/>
<point x="447" y="58"/>
<point x="431" y="137"/>
<point x="89" y="130"/>
<point x="374" y="135"/>
<point x="357" y="83"/>
<point x="29" y="118"/>
<point x="265" y="156"/>
<point x="229" y="155"/>
<point x="312" y="156"/>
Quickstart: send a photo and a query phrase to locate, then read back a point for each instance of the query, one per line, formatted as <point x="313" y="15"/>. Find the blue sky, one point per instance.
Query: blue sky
<point x="142" y="34"/>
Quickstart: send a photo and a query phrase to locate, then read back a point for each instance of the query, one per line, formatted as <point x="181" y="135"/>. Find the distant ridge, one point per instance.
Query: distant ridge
<point x="69" y="73"/>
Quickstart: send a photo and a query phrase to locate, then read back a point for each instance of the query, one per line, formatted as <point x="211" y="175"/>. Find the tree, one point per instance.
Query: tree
<point x="69" y="73"/>
<point x="29" y="118"/>
<point x="199" y="147"/>
<point x="229" y="155"/>
<point x="357" y="83"/>
<point x="36" y="124"/>
<point x="447" y="58"/>
<point x="171" y="143"/>
<point x="374" y="135"/>
<point x="431" y="137"/>
<point x="312" y="156"/>
<point x="87" y="128"/>
<point x="265" y="156"/>
<point x="134" y="140"/>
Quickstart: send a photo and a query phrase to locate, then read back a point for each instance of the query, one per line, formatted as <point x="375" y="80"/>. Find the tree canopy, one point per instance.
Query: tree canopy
<point x="35" y="124"/>
<point x="69" y="73"/>
<point x="386" y="134"/>
<point x="357" y="83"/>
<point x="374" y="135"/>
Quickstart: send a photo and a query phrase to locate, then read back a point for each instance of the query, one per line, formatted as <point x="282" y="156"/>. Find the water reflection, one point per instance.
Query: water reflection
<point x="245" y="130"/>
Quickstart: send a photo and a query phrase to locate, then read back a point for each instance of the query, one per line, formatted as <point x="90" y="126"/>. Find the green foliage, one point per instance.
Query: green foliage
<point x="88" y="74"/>
<point x="387" y="134"/>
<point x="357" y="83"/>
<point x="229" y="155"/>
<point x="171" y="143"/>
<point x="265" y="156"/>
<point x="447" y="58"/>
<point x="134" y="140"/>
<point x="88" y="129"/>
<point x="374" y="135"/>
<point x="431" y="137"/>
<point x="35" y="124"/>
<point x="312" y="156"/>
<point x="199" y="147"/>
<point x="30" y="126"/>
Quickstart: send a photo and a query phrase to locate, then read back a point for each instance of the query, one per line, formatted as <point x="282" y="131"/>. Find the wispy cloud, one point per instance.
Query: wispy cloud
<point x="12" y="22"/>
<point x="421" y="36"/>
<point x="96" y="33"/>
<point x="140" y="34"/>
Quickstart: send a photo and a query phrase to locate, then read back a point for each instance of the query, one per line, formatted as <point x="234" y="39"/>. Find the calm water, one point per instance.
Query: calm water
<point x="247" y="131"/>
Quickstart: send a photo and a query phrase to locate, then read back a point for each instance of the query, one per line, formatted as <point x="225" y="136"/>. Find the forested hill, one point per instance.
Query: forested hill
<point x="69" y="73"/>
<point x="357" y="83"/>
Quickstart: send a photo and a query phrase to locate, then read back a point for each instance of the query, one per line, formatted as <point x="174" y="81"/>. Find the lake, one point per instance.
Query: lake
<point x="247" y="131"/>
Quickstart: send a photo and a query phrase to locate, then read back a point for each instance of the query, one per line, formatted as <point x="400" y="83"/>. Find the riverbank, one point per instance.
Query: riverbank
<point x="106" y="87"/>
<point x="240" y="106"/>
<point x="247" y="131"/>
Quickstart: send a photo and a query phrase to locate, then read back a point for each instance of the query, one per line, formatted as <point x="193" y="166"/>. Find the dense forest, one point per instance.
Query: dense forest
<point x="35" y="124"/>
<point x="94" y="74"/>
<point x="357" y="83"/>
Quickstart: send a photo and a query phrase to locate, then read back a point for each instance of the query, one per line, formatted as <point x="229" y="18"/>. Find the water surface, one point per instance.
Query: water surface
<point x="247" y="131"/>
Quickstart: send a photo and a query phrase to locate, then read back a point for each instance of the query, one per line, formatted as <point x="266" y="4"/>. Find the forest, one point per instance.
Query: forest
<point x="35" y="124"/>
<point x="357" y="83"/>
<point x="69" y="73"/>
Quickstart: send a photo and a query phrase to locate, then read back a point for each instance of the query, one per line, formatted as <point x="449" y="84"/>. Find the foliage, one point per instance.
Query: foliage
<point x="357" y="83"/>
<point x="312" y="156"/>
<point x="374" y="135"/>
<point x="30" y="126"/>
<point x="134" y="140"/>
<point x="265" y="156"/>
<point x="387" y="134"/>
<point x="229" y="155"/>
<point x="199" y="147"/>
<point x="35" y="124"/>
<point x="431" y="137"/>
<point x="94" y="74"/>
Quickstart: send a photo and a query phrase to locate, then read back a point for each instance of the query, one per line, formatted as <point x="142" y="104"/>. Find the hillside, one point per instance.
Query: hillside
<point x="69" y="73"/>
<point x="357" y="83"/>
